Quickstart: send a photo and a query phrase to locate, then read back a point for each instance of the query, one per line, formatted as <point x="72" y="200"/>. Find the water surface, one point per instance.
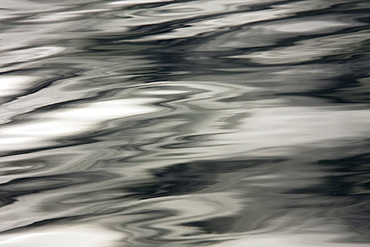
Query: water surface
<point x="184" y="123"/>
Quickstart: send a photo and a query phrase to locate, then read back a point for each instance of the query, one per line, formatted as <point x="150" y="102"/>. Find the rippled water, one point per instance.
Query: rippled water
<point x="184" y="123"/>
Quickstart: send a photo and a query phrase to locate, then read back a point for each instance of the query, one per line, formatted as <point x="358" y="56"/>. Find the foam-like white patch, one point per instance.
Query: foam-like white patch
<point x="73" y="236"/>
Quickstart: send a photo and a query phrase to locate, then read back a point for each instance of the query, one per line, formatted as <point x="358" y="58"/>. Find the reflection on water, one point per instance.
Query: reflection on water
<point x="184" y="123"/>
<point x="81" y="236"/>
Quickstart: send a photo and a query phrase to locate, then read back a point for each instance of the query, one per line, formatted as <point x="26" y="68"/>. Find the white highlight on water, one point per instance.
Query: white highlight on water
<point x="29" y="54"/>
<point x="275" y="127"/>
<point x="135" y="2"/>
<point x="72" y="121"/>
<point x="290" y="240"/>
<point x="11" y="85"/>
<point x="63" y="236"/>
<point x="309" y="26"/>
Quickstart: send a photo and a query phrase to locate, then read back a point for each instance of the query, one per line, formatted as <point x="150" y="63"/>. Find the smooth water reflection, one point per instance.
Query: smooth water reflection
<point x="184" y="123"/>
